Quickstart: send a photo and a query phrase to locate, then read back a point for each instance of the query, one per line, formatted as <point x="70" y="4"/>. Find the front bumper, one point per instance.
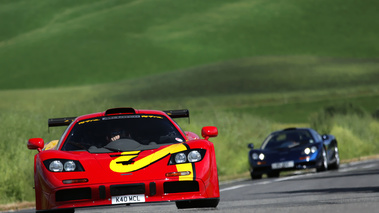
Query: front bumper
<point x="297" y="166"/>
<point x="102" y="194"/>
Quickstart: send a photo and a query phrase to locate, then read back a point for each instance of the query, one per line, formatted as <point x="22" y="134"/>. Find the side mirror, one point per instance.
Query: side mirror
<point x="36" y="143"/>
<point x="250" y="146"/>
<point x="209" y="131"/>
<point x="325" y="137"/>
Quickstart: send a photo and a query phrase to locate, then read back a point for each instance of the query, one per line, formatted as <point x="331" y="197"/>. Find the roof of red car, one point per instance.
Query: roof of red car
<point x="99" y="114"/>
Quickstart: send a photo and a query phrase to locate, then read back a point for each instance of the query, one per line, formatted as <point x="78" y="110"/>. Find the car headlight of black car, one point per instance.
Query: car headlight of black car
<point x="63" y="165"/>
<point x="308" y="150"/>
<point x="255" y="156"/>
<point x="189" y="156"/>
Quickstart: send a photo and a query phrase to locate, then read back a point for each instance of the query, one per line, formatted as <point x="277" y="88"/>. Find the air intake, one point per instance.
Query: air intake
<point x="124" y="110"/>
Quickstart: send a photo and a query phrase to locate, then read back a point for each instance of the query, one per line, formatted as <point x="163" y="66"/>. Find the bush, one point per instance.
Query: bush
<point x="375" y="114"/>
<point x="357" y="136"/>
<point x="344" y="109"/>
<point x="236" y="131"/>
<point x="322" y="121"/>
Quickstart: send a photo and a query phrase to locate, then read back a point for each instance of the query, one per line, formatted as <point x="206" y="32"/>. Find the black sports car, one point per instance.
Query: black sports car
<point x="292" y="149"/>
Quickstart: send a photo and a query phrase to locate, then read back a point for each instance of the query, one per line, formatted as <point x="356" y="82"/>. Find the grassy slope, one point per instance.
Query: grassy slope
<point x="86" y="42"/>
<point x="119" y="48"/>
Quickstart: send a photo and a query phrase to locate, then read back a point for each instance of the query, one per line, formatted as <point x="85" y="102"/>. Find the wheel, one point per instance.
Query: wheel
<point x="255" y="175"/>
<point x="273" y="174"/>
<point x="206" y="203"/>
<point x="336" y="163"/>
<point x="324" y="162"/>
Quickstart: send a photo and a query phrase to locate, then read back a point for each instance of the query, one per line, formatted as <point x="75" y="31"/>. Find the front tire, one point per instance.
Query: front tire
<point x="336" y="163"/>
<point x="255" y="176"/>
<point x="206" y="203"/>
<point x="56" y="211"/>
<point x="273" y="174"/>
<point x="324" y="162"/>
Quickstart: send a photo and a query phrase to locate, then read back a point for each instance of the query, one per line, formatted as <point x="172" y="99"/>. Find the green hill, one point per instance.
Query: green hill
<point x="49" y="43"/>
<point x="248" y="67"/>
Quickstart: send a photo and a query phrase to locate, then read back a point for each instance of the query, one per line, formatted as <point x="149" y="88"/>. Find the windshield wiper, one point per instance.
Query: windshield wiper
<point x="293" y="145"/>
<point x="113" y="149"/>
<point x="79" y="145"/>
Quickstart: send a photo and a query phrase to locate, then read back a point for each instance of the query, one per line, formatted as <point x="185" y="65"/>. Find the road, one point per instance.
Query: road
<point x="353" y="188"/>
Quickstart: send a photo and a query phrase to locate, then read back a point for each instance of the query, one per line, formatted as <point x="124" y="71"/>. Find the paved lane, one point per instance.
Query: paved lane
<point x="353" y="188"/>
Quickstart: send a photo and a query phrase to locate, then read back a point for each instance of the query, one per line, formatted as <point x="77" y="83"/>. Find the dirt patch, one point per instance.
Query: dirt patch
<point x="17" y="206"/>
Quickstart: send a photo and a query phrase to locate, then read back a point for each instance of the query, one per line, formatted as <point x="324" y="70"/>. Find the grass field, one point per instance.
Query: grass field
<point x="93" y="41"/>
<point x="242" y="115"/>
<point x="247" y="67"/>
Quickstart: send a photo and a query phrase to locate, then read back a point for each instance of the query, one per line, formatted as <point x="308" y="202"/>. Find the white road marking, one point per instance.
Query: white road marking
<point x="343" y="168"/>
<point x="368" y="166"/>
<point x="234" y="187"/>
<point x="348" y="169"/>
<point x="262" y="182"/>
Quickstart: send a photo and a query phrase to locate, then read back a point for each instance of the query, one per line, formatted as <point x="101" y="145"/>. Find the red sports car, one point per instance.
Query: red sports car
<point x="123" y="156"/>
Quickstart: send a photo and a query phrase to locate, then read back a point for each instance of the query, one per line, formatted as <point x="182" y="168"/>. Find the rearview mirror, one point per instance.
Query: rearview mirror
<point x="250" y="146"/>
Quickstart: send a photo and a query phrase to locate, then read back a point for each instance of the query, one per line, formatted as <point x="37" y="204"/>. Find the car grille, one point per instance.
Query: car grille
<point x="73" y="194"/>
<point x="181" y="186"/>
<point x="127" y="189"/>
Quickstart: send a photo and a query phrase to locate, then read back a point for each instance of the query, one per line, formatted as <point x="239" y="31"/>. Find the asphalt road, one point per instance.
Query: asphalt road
<point x="353" y="188"/>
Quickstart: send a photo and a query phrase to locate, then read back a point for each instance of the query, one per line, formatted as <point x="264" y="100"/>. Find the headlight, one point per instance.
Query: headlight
<point x="194" y="156"/>
<point x="254" y="156"/>
<point x="180" y="158"/>
<point x="313" y="149"/>
<point x="63" y="165"/>
<point x="261" y="156"/>
<point x="56" y="166"/>
<point x="308" y="150"/>
<point x="189" y="156"/>
<point x="69" y="166"/>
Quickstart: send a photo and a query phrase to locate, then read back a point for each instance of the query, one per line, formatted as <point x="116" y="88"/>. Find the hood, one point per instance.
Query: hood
<point x="130" y="165"/>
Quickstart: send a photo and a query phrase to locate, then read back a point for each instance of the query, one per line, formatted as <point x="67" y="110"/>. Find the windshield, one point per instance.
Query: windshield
<point x="122" y="133"/>
<point x="287" y="139"/>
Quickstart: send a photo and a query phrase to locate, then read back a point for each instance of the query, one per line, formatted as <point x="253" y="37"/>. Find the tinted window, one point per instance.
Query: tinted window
<point x="317" y="136"/>
<point x="287" y="139"/>
<point x="122" y="133"/>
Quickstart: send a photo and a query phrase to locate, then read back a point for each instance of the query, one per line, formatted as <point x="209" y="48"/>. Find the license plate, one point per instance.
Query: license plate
<point x="140" y="198"/>
<point x="285" y="164"/>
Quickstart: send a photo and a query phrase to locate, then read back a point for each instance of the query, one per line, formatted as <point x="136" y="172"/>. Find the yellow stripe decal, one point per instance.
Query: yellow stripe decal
<point x="183" y="168"/>
<point x="144" y="162"/>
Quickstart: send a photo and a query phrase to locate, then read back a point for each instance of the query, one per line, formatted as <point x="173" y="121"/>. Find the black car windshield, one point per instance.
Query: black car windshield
<point x="287" y="139"/>
<point x="122" y="133"/>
